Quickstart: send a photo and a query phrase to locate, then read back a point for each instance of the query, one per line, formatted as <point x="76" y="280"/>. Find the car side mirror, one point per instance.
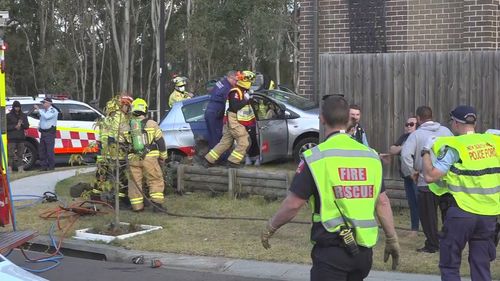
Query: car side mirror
<point x="291" y="115"/>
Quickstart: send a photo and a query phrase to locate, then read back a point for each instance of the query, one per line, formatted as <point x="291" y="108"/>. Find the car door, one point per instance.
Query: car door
<point x="272" y="131"/>
<point x="194" y="114"/>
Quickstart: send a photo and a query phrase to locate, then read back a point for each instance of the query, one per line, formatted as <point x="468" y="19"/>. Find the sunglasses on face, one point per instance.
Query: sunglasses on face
<point x="411" y="124"/>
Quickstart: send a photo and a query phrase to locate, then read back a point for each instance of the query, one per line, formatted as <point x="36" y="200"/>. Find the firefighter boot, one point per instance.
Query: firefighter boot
<point x="158" y="208"/>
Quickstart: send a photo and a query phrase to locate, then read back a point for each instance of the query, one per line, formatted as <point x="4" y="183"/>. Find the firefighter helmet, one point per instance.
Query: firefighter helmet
<point x="139" y="105"/>
<point x="126" y="100"/>
<point x="180" y="81"/>
<point x="245" y="79"/>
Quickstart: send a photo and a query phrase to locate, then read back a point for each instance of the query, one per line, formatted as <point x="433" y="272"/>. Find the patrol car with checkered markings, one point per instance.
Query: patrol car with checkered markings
<point x="76" y="129"/>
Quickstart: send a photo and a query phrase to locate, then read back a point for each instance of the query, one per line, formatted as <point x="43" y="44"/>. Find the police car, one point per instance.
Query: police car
<point x="76" y="129"/>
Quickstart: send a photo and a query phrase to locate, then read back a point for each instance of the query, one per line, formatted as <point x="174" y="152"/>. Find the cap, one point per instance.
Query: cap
<point x="464" y="114"/>
<point x="47" y="100"/>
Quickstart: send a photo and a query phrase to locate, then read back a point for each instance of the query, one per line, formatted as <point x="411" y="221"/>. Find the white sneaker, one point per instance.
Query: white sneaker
<point x="257" y="162"/>
<point x="247" y="160"/>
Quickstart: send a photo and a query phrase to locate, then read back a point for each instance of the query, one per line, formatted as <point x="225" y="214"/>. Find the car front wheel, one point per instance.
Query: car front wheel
<point x="303" y="145"/>
<point x="30" y="155"/>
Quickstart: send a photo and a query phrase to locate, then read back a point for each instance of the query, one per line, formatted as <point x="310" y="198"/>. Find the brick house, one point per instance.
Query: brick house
<point x="370" y="26"/>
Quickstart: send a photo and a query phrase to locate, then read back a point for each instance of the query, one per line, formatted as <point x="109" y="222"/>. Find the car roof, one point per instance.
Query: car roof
<point x="35" y="100"/>
<point x="194" y="100"/>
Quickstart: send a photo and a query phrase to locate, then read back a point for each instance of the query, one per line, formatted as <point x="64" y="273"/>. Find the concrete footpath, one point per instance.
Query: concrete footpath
<point x="37" y="185"/>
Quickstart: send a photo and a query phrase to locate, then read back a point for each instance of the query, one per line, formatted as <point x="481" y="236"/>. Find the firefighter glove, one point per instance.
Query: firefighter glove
<point x="392" y="249"/>
<point x="266" y="234"/>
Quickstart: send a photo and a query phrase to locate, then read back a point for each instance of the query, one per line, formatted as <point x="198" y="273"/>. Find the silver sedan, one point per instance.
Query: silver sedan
<point x="287" y="125"/>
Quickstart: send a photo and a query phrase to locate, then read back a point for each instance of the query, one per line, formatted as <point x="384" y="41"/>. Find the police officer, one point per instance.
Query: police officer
<point x="114" y="138"/>
<point x="149" y="149"/>
<point x="179" y="93"/>
<point x="234" y="129"/>
<point x="467" y="173"/>
<point x="214" y="114"/>
<point x="47" y="128"/>
<point x="342" y="179"/>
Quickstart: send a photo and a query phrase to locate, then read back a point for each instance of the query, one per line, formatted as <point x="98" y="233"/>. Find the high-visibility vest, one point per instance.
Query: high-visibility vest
<point x="349" y="174"/>
<point x="245" y="115"/>
<point x="474" y="181"/>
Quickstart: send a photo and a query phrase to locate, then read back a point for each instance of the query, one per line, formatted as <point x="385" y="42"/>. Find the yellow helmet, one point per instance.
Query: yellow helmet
<point x="179" y="81"/>
<point x="139" y="105"/>
<point x="245" y="79"/>
<point x="112" y="106"/>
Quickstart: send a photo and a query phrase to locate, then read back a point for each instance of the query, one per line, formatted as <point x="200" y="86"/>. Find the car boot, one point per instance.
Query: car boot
<point x="158" y="208"/>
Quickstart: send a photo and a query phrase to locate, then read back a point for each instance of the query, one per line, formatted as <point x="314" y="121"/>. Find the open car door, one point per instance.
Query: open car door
<point x="272" y="129"/>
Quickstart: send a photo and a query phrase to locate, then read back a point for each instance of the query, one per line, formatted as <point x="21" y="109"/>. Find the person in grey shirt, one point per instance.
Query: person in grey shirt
<point x="411" y="165"/>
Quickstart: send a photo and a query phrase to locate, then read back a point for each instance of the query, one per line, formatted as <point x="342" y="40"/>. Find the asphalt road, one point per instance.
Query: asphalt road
<point x="77" y="269"/>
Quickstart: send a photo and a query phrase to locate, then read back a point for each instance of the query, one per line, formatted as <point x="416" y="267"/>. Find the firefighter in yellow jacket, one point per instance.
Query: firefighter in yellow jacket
<point x="113" y="131"/>
<point x="180" y="93"/>
<point x="234" y="128"/>
<point x="148" y="151"/>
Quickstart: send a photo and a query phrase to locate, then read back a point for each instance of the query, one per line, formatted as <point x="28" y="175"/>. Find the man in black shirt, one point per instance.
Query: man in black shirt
<point x="17" y="122"/>
<point x="331" y="255"/>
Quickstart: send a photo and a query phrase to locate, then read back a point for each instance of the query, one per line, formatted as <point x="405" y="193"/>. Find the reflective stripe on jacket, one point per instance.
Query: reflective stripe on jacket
<point x="349" y="174"/>
<point x="474" y="181"/>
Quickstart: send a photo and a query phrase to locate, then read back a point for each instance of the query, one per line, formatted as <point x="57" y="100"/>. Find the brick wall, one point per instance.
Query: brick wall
<point x="411" y="25"/>
<point x="424" y="25"/>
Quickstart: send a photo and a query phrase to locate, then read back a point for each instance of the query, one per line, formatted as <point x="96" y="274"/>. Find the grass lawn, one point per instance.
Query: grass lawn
<point x="234" y="238"/>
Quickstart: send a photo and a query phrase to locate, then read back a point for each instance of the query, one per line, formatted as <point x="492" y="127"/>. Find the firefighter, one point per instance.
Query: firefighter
<point x="342" y="179"/>
<point x="113" y="131"/>
<point x="234" y="128"/>
<point x="179" y="93"/>
<point x="149" y="153"/>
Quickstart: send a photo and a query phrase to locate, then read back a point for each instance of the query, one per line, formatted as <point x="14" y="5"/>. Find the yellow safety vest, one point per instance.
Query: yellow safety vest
<point x="349" y="174"/>
<point x="474" y="181"/>
<point x="245" y="114"/>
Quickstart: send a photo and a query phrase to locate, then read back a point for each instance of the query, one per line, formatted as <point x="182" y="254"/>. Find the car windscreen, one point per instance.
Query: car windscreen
<point x="291" y="99"/>
<point x="29" y="110"/>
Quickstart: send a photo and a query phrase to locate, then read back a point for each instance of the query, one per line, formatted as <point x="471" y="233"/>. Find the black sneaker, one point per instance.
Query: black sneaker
<point x="427" y="250"/>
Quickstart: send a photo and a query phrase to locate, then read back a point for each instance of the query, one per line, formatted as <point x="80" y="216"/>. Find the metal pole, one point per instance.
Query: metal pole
<point x="315" y="79"/>
<point x="161" y="101"/>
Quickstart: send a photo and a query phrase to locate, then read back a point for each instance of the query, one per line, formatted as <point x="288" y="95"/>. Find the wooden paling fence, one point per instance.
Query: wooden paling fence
<point x="236" y="182"/>
<point x="389" y="87"/>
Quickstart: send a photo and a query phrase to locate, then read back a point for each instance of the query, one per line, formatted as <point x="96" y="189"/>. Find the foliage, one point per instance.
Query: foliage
<point x="69" y="46"/>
